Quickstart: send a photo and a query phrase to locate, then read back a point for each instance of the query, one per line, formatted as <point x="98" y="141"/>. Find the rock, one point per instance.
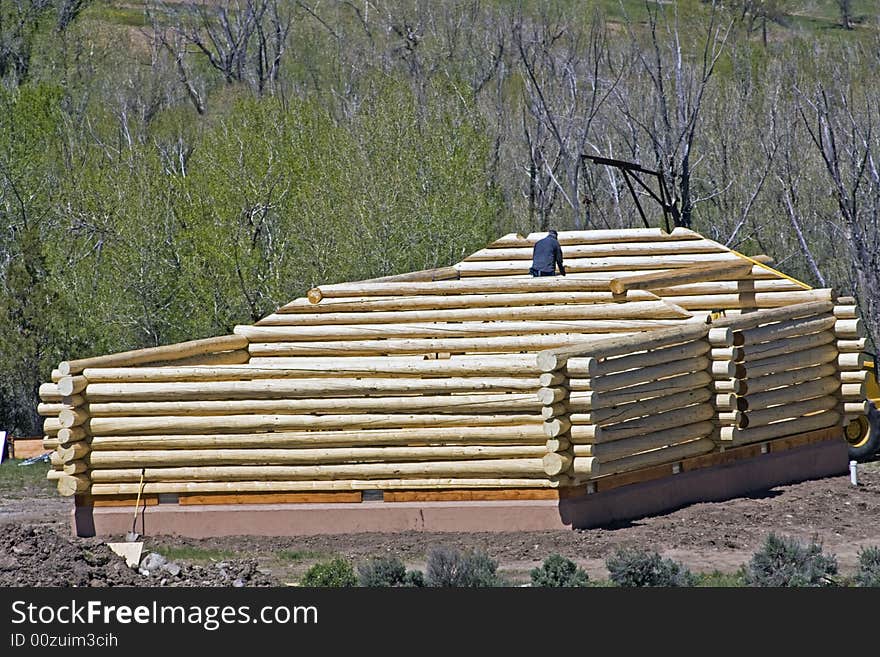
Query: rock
<point x="171" y="568"/>
<point x="238" y="583"/>
<point x="21" y="549"/>
<point x="153" y="562"/>
<point x="8" y="563"/>
<point x="144" y="572"/>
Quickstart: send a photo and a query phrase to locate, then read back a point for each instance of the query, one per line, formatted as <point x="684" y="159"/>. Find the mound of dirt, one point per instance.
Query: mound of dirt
<point x="34" y="555"/>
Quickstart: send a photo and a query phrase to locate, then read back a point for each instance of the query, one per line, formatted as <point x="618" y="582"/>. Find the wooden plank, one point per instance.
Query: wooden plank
<point x="121" y="501"/>
<point x="329" y="497"/>
<point x="475" y="495"/>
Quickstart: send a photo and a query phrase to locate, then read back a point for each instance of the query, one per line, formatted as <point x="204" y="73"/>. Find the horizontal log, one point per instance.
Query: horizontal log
<point x="853" y="391"/>
<point x="760" y="384"/>
<point x="761" y="300"/>
<point x="851" y="346"/>
<point x="604" y="452"/>
<point x="856" y="408"/>
<point x="765" y="350"/>
<point x="548" y="396"/>
<point x="808" y="358"/>
<point x="55" y="376"/>
<point x="471" y="403"/>
<point x="103" y="460"/>
<point x="50" y="443"/>
<point x="849" y="329"/>
<point x="727" y="353"/>
<point x="293" y="368"/>
<point x="556" y="463"/>
<point x="72" y="484"/>
<point x="106" y="426"/>
<point x="55" y="475"/>
<point x="630" y="378"/>
<point x="49" y="410"/>
<point x="601" y="367"/>
<point x="604" y="236"/>
<point x="720" y="337"/>
<point x="556" y="427"/>
<point x="656" y="422"/>
<point x="580" y="401"/>
<point x="572" y="251"/>
<point x="723" y="369"/>
<point x="671" y="454"/>
<point x="325" y="485"/>
<point x="487" y="467"/>
<point x="858" y="376"/>
<point x="452" y="345"/>
<point x="749" y="282"/>
<point x="73" y="417"/>
<point x="582" y="431"/>
<point x="526" y="434"/>
<point x="68" y="435"/>
<point x="598" y="264"/>
<point x="682" y="276"/>
<point x="554" y="410"/>
<point x="48" y="392"/>
<point x="555" y="359"/>
<point x="827" y="385"/>
<point x="73" y="452"/>
<point x="72" y="385"/>
<point x="74" y="467"/>
<point x="287" y="316"/>
<point x="236" y="357"/>
<point x="725" y="402"/>
<point x="760" y="418"/>
<point x="301" y="388"/>
<point x="820" y="306"/>
<point x="151" y="354"/>
<point x="649" y="407"/>
<point x="845" y="311"/>
<point x="51" y="426"/>
<point x="851" y="361"/>
<point x="549" y="379"/>
<point x="786" y="329"/>
<point x="780" y="429"/>
<point x="722" y="385"/>
<point x="560" y="444"/>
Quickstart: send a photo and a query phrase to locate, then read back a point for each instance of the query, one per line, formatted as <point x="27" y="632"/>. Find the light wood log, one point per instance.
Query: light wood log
<point x="655" y="422"/>
<point x="301" y="388"/>
<point x="789" y="394"/>
<point x="551" y="360"/>
<point x="856" y="408"/>
<point x="456" y="403"/>
<point x="487" y="467"/>
<point x="151" y="354"/>
<point x="555" y="410"/>
<point x="720" y="337"/>
<point x="722" y="369"/>
<point x="548" y="396"/>
<point x="55" y="376"/>
<point x="580" y="401"/>
<point x="682" y="276"/>
<point x="51" y="426"/>
<point x="72" y="484"/>
<point x="72" y="385"/>
<point x="787" y="378"/>
<point x="780" y="429"/>
<point x="846" y="301"/>
<point x="452" y="345"/>
<point x="798" y="360"/>
<point x="56" y="460"/>
<point x="601" y="367"/>
<point x="859" y="376"/>
<point x="648" y="407"/>
<point x="606" y="250"/>
<point x="293" y="368"/>
<point x="604" y="236"/>
<point x="787" y="329"/>
<point x="853" y="391"/>
<point x="48" y="393"/>
<point x="526" y="434"/>
<point x="326" y="485"/>
<point x="68" y="435"/>
<point x="73" y="452"/>
<point x="851" y="361"/>
<point x="726" y="402"/>
<point x="582" y="431"/>
<point x="105" y="426"/>
<point x="592" y="468"/>
<point x="551" y="379"/>
<point x="785" y="346"/>
<point x="727" y="353"/>
<point x="760" y="418"/>
<point x="598" y="264"/>
<point x="49" y="410"/>
<point x="103" y="460"/>
<point x="851" y="346"/>
<point x="820" y="306"/>
<point x="845" y="312"/>
<point x="237" y="357"/>
<point x="54" y="475"/>
<point x="633" y="377"/>
<point x="74" y="467"/>
<point x="556" y="427"/>
<point x="559" y="444"/>
<point x="434" y="274"/>
<point x="73" y="417"/>
<point x="604" y="452"/>
<point x="725" y="418"/>
<point x="849" y="329"/>
<point x="722" y="385"/>
<point x="748" y="283"/>
<point x="50" y="443"/>
<point x="556" y="463"/>
<point x="743" y="300"/>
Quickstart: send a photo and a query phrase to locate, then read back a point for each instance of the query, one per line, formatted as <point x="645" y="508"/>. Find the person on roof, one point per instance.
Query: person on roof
<point x="546" y="256"/>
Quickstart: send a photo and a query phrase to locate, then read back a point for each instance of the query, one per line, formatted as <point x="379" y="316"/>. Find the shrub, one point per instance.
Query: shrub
<point x="784" y="561"/>
<point x="869" y="567"/>
<point x="335" y="573"/>
<point x="451" y="567"/>
<point x="637" y="567"/>
<point x="387" y="572"/>
<point x="559" y="572"/>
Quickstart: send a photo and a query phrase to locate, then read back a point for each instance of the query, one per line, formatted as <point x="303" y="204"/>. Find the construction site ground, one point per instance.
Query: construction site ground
<point x="36" y="546"/>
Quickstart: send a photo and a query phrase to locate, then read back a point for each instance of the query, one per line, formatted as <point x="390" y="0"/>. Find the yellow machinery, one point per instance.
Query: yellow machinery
<point x="863" y="432"/>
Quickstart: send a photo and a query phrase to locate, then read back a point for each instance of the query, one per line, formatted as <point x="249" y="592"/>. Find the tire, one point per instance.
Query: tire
<point x="868" y="442"/>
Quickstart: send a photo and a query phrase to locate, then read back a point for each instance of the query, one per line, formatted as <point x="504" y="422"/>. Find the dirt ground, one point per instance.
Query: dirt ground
<point x="705" y="537"/>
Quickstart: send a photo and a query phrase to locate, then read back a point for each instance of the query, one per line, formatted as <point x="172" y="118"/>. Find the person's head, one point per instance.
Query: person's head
<point x="552" y="232"/>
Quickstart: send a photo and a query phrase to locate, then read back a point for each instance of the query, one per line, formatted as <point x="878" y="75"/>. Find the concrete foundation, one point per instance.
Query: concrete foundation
<point x="709" y="484"/>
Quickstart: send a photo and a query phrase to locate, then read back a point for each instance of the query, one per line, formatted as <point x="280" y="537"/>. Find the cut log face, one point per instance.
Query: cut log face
<point x="474" y="375"/>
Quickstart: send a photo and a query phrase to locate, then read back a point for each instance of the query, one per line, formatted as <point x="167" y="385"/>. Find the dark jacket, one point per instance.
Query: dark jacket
<point x="546" y="256"/>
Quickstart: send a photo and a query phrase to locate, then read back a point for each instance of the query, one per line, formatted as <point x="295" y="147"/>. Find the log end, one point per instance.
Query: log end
<point x="548" y="361"/>
<point x="315" y="295"/>
<point x="618" y="287"/>
<point x="64" y="368"/>
<point x="556" y="463"/>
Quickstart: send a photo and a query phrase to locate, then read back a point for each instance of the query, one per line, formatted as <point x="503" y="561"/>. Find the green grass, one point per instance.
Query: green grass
<point x="720" y="580"/>
<point x="299" y="555"/>
<point x="187" y="553"/>
<point x="19" y="481"/>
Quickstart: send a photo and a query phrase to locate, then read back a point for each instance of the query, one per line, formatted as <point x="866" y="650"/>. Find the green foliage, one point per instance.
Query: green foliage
<point x="335" y="573"/>
<point x="717" y="579"/>
<point x="785" y="561"/>
<point x="388" y="572"/>
<point x="559" y="572"/>
<point x="449" y="567"/>
<point x="637" y="567"/>
<point x="869" y="567"/>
